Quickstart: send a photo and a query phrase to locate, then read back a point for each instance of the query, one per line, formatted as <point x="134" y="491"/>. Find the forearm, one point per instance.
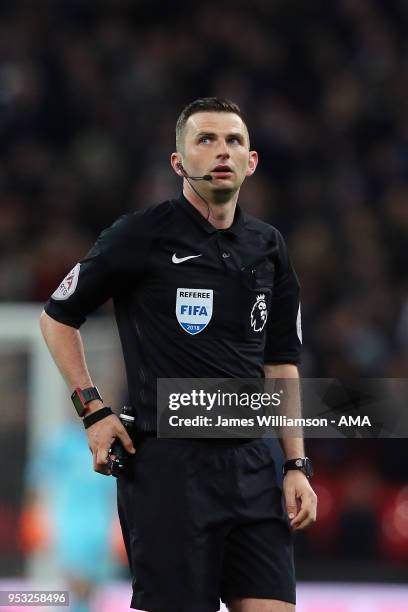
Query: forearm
<point x="66" y="348"/>
<point x="292" y="446"/>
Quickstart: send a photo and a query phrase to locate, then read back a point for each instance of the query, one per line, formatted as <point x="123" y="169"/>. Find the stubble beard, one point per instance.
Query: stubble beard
<point x="223" y="194"/>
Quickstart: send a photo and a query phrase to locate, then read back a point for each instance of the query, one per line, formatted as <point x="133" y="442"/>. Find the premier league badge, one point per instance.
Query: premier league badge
<point x="259" y="313"/>
<point x="194" y="308"/>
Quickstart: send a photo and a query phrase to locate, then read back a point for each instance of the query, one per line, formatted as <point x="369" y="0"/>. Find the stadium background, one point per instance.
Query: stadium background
<point x="89" y="94"/>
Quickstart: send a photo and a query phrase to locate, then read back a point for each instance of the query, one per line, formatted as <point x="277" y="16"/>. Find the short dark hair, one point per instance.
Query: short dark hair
<point x="204" y="105"/>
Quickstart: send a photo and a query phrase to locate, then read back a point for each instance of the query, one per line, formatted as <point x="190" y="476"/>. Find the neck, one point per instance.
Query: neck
<point x="222" y="210"/>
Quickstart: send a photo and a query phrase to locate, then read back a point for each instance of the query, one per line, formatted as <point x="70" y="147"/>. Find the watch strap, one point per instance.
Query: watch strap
<point x="96" y="416"/>
<point x="89" y="394"/>
<point x="300" y="463"/>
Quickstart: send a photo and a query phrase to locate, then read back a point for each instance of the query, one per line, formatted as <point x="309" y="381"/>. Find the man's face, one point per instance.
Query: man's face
<point x="218" y="144"/>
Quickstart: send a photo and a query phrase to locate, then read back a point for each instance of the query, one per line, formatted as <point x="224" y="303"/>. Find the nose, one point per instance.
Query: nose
<point x="223" y="151"/>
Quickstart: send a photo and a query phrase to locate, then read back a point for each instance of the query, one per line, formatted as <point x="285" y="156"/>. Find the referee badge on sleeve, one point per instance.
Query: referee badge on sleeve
<point x="68" y="285"/>
<point x="194" y="308"/>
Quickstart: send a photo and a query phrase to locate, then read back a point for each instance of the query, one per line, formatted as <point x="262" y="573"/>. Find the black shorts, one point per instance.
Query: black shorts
<point x="203" y="520"/>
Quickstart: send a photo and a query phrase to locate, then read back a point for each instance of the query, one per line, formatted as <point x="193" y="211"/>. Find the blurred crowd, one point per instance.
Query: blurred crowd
<point x="89" y="95"/>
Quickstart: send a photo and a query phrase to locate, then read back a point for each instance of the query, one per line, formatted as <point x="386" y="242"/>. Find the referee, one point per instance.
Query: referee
<point x="201" y="519"/>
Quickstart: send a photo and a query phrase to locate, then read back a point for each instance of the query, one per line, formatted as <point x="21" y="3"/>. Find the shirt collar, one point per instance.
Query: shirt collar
<point x="237" y="227"/>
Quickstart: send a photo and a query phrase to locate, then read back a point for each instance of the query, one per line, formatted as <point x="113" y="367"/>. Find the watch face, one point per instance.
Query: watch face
<point x="308" y="468"/>
<point x="79" y="406"/>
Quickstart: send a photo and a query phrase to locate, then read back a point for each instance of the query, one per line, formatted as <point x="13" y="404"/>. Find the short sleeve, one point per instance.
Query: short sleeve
<point x="283" y="334"/>
<point x="118" y="256"/>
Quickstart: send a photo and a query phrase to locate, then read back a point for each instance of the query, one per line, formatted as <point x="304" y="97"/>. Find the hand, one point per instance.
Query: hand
<point x="301" y="500"/>
<point x="100" y="439"/>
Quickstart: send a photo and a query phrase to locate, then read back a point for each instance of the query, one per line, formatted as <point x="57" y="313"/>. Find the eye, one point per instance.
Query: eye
<point x="204" y="139"/>
<point x="234" y="140"/>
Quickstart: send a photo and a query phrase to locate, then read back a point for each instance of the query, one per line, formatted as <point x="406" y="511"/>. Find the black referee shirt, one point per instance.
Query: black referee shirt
<point x="191" y="301"/>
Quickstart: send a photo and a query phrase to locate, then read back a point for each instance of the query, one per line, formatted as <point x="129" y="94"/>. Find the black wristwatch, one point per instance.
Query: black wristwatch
<point x="82" y="397"/>
<point x="300" y="463"/>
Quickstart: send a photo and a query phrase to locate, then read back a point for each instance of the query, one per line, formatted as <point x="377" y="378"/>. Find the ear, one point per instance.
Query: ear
<point x="252" y="163"/>
<point x="175" y="159"/>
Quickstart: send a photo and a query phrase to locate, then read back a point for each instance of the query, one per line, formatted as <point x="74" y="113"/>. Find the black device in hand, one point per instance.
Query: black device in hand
<point x="119" y="463"/>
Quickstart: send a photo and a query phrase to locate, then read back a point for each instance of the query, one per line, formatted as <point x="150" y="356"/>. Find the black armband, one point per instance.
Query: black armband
<point x="96" y="416"/>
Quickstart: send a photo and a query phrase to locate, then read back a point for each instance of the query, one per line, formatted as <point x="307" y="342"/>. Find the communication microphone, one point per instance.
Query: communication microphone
<point x="206" y="177"/>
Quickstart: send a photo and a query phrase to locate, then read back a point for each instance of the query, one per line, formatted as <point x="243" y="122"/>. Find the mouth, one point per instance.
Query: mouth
<point x="222" y="171"/>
